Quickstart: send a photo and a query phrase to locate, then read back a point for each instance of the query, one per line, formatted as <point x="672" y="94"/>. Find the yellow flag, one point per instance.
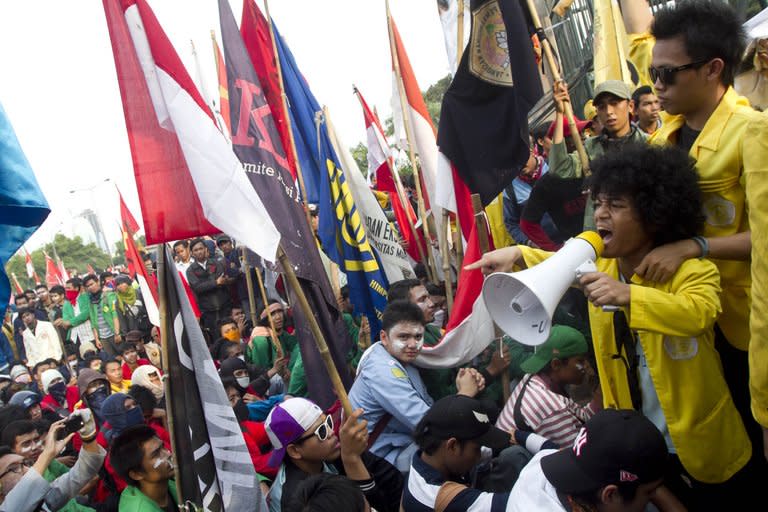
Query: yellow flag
<point x="495" y="213"/>
<point x="611" y="45"/>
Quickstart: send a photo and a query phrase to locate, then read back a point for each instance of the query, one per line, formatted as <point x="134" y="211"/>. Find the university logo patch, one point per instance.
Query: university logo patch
<point x="489" y="53"/>
<point x="626" y="476"/>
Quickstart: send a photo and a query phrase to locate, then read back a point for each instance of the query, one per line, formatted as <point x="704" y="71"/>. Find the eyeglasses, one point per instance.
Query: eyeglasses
<point x="667" y="75"/>
<point x="16" y="467"/>
<point x="323" y="431"/>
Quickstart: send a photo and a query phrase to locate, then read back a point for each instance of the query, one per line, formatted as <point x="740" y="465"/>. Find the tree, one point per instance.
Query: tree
<point x="72" y="251"/>
<point x="360" y="154"/>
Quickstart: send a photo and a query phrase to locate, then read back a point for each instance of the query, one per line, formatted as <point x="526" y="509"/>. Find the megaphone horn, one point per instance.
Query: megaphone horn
<point x="522" y="303"/>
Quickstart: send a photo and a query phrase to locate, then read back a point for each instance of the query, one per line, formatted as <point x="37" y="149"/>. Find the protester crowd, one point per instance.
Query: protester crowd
<point x="638" y="400"/>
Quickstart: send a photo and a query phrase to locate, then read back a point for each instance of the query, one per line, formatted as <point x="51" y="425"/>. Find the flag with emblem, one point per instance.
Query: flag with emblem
<point x="484" y="117"/>
<point x="257" y="143"/>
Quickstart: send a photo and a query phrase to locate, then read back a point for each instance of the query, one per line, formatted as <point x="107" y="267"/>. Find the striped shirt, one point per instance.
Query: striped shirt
<point x="549" y="414"/>
<point x="424" y="483"/>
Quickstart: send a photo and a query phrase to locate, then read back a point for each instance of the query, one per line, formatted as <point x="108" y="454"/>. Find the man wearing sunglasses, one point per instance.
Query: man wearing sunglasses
<point x="305" y="444"/>
<point x="698" y="48"/>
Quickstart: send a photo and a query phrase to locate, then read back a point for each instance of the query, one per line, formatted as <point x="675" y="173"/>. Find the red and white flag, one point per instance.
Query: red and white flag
<point x="161" y="100"/>
<point x="16" y="284"/>
<point x="420" y="123"/>
<point x="52" y="273"/>
<point x="470" y="327"/>
<point x="381" y="165"/>
<point x="30" y="267"/>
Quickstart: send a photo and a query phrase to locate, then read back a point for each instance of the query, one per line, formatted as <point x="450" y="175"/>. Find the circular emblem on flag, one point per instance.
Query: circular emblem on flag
<point x="489" y="57"/>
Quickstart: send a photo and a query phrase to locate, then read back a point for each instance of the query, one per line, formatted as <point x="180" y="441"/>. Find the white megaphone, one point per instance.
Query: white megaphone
<point x="522" y="303"/>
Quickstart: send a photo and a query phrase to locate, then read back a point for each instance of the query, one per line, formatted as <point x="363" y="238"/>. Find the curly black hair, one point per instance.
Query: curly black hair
<point x="661" y="183"/>
<point x="710" y="29"/>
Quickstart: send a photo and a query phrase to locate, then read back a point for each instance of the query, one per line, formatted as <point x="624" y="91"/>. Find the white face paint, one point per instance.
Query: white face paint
<point x="399" y="345"/>
<point x="580" y="367"/>
<point x="160" y="461"/>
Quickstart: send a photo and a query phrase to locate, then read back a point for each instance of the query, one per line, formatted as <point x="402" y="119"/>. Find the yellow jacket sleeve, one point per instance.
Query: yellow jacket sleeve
<point x="756" y="179"/>
<point x="689" y="311"/>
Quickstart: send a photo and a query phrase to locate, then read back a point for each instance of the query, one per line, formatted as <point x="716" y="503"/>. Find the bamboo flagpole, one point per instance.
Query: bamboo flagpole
<point x="482" y="235"/>
<point x="459" y="54"/>
<point x="272" y="330"/>
<point x="430" y="264"/>
<point x="317" y="334"/>
<point x="249" y="285"/>
<point x="554" y="66"/>
<point x="287" y="116"/>
<point x="446" y="257"/>
<point x="400" y="192"/>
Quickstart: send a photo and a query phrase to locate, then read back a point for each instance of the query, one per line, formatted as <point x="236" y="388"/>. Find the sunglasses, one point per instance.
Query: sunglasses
<point x="667" y="75"/>
<point x="323" y="431"/>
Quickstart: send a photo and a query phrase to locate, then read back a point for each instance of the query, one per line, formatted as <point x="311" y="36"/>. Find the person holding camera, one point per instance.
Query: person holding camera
<point x="23" y="487"/>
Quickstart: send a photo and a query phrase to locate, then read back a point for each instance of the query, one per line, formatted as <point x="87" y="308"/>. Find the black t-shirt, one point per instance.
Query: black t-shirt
<point x="563" y="199"/>
<point x="686" y="137"/>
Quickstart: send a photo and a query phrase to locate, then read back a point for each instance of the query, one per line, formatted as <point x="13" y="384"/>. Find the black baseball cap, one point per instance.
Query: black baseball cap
<point x="613" y="447"/>
<point x="465" y="419"/>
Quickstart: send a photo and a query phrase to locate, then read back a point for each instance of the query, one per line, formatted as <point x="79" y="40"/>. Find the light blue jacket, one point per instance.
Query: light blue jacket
<point x="385" y="385"/>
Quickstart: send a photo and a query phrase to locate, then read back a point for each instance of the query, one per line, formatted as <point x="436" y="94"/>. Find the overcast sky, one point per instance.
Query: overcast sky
<point x="58" y="83"/>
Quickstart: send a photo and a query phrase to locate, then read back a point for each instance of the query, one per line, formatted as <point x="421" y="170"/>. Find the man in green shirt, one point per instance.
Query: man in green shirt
<point x="103" y="316"/>
<point x="140" y="457"/>
<point x="613" y="101"/>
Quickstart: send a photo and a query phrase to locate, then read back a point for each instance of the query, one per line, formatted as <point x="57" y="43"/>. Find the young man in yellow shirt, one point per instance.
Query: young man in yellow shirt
<point x="698" y="46"/>
<point x="657" y="353"/>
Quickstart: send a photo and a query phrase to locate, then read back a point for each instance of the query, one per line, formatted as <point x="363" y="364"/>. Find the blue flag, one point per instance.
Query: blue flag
<point x="341" y="230"/>
<point x="23" y="207"/>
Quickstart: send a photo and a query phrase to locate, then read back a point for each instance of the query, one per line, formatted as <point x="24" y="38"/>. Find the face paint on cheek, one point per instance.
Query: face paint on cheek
<point x="398" y="345"/>
<point x="160" y="461"/>
<point x="420" y="344"/>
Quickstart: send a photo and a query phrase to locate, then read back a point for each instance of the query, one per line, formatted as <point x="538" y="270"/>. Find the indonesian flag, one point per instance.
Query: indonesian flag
<point x="52" y="273"/>
<point x="470" y="327"/>
<point x="138" y="271"/>
<point x="30" y="267"/>
<point x="229" y="201"/>
<point x="421" y="127"/>
<point x="19" y="289"/>
<point x="128" y="221"/>
<point x="380" y="164"/>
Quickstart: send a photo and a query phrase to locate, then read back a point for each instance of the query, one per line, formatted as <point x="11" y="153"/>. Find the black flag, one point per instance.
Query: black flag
<point x="484" y="118"/>
<point x="213" y="463"/>
<point x="256" y="142"/>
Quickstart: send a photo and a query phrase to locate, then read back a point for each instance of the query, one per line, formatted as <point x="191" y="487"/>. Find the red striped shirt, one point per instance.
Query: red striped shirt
<point x="549" y="414"/>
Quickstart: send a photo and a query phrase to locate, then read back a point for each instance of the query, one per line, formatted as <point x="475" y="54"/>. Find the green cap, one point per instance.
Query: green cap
<point x="616" y="87"/>
<point x="563" y="342"/>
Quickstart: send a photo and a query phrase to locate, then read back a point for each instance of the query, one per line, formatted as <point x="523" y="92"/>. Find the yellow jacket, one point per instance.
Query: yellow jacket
<point x="756" y="176"/>
<point x="728" y="146"/>
<point x="674" y="321"/>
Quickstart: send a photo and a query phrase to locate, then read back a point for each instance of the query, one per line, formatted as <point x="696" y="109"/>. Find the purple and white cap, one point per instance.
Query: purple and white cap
<point x="287" y="422"/>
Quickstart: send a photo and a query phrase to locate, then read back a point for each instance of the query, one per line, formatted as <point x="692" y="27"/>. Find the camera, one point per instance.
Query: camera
<point x="71" y="425"/>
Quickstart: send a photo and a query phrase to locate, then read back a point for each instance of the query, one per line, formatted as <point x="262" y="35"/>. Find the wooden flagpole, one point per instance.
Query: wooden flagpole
<point x="482" y="235"/>
<point x="554" y="66"/>
<point x="400" y="194"/>
<point x="459" y="243"/>
<point x="272" y="331"/>
<point x="249" y="285"/>
<point x="446" y="257"/>
<point x="287" y="117"/>
<point x="430" y="264"/>
<point x="317" y="334"/>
